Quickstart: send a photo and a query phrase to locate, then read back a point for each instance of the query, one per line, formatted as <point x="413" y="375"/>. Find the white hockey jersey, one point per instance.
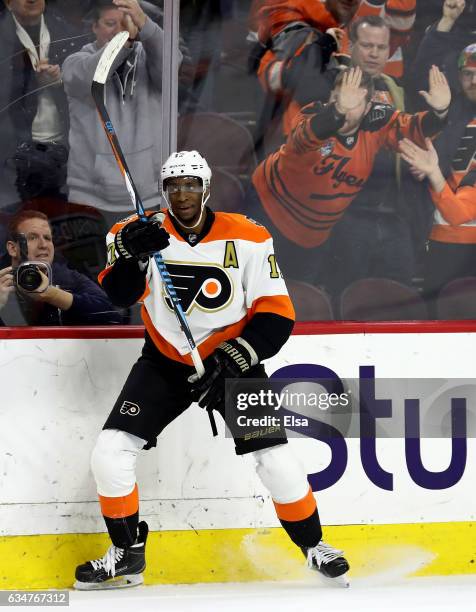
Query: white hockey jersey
<point x="221" y="281"/>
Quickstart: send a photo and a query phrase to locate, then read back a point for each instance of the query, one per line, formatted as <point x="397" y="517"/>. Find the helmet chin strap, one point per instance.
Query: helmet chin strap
<point x="202" y="208"/>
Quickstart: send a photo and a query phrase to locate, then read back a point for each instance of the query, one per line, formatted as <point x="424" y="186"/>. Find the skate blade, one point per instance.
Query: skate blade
<point x="340" y="582"/>
<point x="121" y="582"/>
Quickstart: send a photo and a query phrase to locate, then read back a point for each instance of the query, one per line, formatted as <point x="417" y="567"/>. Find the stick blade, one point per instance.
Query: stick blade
<point x="111" y="51"/>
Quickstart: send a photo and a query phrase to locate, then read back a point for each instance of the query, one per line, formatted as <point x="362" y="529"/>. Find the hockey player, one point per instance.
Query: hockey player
<point x="240" y="313"/>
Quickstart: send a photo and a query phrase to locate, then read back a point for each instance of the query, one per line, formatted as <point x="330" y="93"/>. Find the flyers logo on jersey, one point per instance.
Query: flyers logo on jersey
<point x="206" y="287"/>
<point x="129" y="408"/>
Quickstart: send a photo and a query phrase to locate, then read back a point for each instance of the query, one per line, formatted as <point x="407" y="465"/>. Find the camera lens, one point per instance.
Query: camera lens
<point x="29" y="278"/>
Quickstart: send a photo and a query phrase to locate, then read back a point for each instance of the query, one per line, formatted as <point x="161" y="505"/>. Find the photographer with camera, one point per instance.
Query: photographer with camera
<point x="46" y="291"/>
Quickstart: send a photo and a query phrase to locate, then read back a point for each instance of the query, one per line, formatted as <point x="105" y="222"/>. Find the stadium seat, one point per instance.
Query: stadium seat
<point x="222" y="141"/>
<point x="457" y="299"/>
<point x="310" y="302"/>
<point x="380" y="299"/>
<point x="227" y="193"/>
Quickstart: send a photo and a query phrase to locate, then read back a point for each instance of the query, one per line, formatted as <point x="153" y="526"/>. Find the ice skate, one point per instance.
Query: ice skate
<point x="329" y="562"/>
<point x="119" y="568"/>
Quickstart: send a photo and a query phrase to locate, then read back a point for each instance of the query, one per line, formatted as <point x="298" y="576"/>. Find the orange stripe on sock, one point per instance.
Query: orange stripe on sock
<point x="298" y="510"/>
<point x="119" y="507"/>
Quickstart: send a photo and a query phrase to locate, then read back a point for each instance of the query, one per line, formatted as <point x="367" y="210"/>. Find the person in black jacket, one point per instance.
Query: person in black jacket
<point x="67" y="298"/>
<point x="449" y="44"/>
<point x="34" y="42"/>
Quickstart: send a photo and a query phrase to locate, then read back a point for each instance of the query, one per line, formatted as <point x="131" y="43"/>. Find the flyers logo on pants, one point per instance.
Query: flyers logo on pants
<point x="207" y="287"/>
<point x="129" y="408"/>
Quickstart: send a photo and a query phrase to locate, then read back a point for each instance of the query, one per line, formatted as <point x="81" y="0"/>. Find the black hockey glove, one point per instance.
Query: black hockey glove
<point x="140" y="240"/>
<point x="229" y="360"/>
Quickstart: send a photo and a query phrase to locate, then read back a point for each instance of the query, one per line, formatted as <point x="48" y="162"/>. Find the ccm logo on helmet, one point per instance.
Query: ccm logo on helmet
<point x="207" y="287"/>
<point x="129" y="408"/>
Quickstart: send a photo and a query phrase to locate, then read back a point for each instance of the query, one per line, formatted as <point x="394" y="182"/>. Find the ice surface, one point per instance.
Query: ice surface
<point x="445" y="594"/>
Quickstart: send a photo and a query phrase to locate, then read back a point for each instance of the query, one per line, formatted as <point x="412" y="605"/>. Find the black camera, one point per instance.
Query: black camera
<point x="29" y="274"/>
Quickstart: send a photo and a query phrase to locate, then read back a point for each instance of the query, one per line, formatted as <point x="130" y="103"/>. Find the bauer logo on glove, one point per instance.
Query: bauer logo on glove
<point x="231" y="359"/>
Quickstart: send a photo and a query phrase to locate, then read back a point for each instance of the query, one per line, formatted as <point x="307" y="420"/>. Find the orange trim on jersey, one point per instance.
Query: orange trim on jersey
<point x="120" y="507"/>
<point x="206" y="347"/>
<point x="276" y="304"/>
<point x="232" y="226"/>
<point x="226" y="226"/>
<point x="298" y="510"/>
<point x="458" y="235"/>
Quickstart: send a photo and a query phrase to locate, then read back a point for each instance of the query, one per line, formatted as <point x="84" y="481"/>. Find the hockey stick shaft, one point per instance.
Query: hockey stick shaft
<point x="108" y="56"/>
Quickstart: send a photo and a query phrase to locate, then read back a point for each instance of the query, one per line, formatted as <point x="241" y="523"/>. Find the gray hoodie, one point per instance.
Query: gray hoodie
<point x="133" y="101"/>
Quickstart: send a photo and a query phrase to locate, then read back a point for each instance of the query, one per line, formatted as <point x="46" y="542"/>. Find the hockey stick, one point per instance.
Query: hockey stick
<point x="108" y="56"/>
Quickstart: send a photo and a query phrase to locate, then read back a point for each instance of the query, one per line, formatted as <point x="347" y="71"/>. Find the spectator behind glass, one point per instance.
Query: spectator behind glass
<point x="133" y="94"/>
<point x="373" y="239"/>
<point x="289" y="33"/>
<point x="442" y="44"/>
<point x="296" y="39"/>
<point x="70" y="299"/>
<point x="303" y="190"/>
<point x="78" y="231"/>
<point x="448" y="191"/>
<point x="33" y="45"/>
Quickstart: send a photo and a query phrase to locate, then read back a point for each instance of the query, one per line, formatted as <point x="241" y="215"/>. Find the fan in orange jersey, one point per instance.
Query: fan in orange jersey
<point x="454" y="198"/>
<point x="306" y="186"/>
<point x="226" y="276"/>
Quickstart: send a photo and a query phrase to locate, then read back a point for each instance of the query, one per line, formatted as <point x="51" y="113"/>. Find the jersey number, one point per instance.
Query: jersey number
<point x="111" y="254"/>
<point x="274" y="267"/>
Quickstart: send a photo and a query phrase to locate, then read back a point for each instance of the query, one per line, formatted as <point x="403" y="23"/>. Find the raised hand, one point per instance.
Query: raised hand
<point x="350" y="94"/>
<point x="439" y="94"/>
<point x="130" y="27"/>
<point x="133" y="10"/>
<point x="452" y="9"/>
<point x="422" y="160"/>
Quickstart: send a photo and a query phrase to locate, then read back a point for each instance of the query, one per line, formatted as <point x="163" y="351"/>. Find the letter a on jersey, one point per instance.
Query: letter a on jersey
<point x="206" y="287"/>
